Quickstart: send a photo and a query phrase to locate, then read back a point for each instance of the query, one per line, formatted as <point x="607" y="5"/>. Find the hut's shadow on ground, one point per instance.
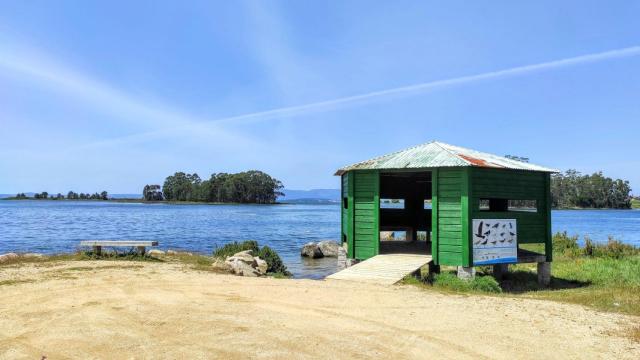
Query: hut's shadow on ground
<point x="520" y="281"/>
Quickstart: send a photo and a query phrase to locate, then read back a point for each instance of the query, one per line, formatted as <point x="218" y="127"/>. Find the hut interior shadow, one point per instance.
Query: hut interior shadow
<point x="405" y="207"/>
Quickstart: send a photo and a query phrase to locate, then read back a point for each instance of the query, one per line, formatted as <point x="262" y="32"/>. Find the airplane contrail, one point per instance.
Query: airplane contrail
<point x="422" y="87"/>
<point x="328" y="105"/>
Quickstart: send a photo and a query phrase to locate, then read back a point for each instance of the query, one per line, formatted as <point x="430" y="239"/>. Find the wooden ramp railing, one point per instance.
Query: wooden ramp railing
<point x="383" y="269"/>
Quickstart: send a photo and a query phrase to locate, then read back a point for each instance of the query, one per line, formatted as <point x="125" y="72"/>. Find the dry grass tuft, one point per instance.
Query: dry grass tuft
<point x="635" y="334"/>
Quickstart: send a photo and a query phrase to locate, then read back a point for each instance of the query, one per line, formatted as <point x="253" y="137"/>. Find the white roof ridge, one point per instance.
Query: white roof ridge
<point x="451" y="152"/>
<point x="390" y="154"/>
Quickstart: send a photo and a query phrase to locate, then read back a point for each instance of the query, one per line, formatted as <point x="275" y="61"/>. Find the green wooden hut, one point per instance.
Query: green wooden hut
<point x="463" y="207"/>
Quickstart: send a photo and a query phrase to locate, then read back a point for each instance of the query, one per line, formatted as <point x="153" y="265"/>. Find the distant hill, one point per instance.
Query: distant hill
<point x="328" y="195"/>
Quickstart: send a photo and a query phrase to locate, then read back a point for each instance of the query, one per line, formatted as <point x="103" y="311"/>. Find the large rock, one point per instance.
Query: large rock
<point x="262" y="265"/>
<point x="32" y="256"/>
<point x="155" y="253"/>
<point x="245" y="264"/>
<point x="311" y="250"/>
<point x="8" y="257"/>
<point x="220" y="265"/>
<point x="329" y="248"/>
<point x="246" y="256"/>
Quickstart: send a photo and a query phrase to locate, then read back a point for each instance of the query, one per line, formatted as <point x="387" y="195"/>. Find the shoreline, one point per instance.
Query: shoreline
<point x="320" y="202"/>
<point x="142" y="201"/>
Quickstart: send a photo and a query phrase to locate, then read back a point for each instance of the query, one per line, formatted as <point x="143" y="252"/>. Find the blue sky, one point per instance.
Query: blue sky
<point x="114" y="95"/>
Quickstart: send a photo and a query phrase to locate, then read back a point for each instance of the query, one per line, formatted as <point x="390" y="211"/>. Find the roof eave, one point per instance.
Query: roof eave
<point x="341" y="172"/>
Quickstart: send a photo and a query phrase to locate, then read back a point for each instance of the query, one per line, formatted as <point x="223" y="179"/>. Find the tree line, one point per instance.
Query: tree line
<point x="573" y="189"/>
<point x="248" y="187"/>
<point x="70" y="196"/>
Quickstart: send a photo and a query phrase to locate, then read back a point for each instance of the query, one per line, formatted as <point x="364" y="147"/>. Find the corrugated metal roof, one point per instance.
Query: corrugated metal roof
<point x="436" y="154"/>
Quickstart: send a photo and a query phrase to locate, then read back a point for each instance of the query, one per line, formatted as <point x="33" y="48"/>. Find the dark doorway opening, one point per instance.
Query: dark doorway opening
<point x="405" y="212"/>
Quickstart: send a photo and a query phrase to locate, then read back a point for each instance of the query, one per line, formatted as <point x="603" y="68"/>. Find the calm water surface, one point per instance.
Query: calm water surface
<point x="54" y="227"/>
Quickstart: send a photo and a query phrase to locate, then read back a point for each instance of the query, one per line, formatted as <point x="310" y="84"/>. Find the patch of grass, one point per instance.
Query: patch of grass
<point x="196" y="261"/>
<point x="14" y="282"/>
<point x="635" y="334"/>
<point x="279" y="275"/>
<point x="604" y="277"/>
<point x="604" y="283"/>
<point x="635" y="203"/>
<point x="130" y="255"/>
<point x="79" y="268"/>
<point x="481" y="283"/>
<point x="48" y="260"/>
<point x="43" y="259"/>
<point x="108" y="267"/>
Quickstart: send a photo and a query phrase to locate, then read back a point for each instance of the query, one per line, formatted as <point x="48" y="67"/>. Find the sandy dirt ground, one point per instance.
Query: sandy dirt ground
<point x="129" y="310"/>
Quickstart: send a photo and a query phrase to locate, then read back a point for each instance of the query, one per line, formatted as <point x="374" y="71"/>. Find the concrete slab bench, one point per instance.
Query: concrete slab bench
<point x="98" y="244"/>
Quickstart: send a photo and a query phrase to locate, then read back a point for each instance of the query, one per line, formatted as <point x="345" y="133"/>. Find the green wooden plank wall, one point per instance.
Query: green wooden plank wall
<point x="449" y="216"/>
<point x="344" y="212"/>
<point x="366" y="197"/>
<point x="513" y="185"/>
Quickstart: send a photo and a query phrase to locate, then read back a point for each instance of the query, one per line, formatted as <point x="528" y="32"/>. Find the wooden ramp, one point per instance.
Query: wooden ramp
<point x="383" y="269"/>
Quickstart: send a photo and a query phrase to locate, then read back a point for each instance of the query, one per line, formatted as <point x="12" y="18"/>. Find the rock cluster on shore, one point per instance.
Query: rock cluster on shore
<point x="242" y="263"/>
<point x="12" y="256"/>
<point x="325" y="248"/>
<point x="8" y="257"/>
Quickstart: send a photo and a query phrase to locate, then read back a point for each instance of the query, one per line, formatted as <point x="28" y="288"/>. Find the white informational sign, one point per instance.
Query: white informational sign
<point x="495" y="241"/>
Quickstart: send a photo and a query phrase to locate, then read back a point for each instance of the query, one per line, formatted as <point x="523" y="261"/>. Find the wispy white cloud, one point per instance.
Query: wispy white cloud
<point x="433" y="85"/>
<point x="27" y="65"/>
<point x="361" y="99"/>
<point x="179" y="123"/>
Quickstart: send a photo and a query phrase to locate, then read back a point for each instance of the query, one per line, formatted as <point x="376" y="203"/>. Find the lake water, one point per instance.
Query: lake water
<point x="58" y="226"/>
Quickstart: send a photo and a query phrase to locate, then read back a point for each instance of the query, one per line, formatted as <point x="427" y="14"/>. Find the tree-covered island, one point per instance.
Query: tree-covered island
<point x="248" y="187"/>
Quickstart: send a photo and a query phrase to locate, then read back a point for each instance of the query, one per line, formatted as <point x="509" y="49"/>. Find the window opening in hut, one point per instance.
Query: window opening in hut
<point x="504" y="205"/>
<point x="392" y="204"/>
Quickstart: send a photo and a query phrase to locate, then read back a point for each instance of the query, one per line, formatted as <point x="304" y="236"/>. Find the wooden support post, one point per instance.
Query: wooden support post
<point x="500" y="270"/>
<point x="434" y="269"/>
<point x="544" y="273"/>
<point x="466" y="272"/>
<point x="141" y="250"/>
<point x="417" y="274"/>
<point x="97" y="250"/>
<point x="410" y="235"/>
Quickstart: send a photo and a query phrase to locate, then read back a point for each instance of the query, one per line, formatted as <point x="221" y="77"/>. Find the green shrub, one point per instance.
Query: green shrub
<point x="485" y="284"/>
<point x="568" y="246"/>
<point x="449" y="281"/>
<point x="589" y="246"/>
<point x="274" y="262"/>
<point x="614" y="249"/>
<point x="565" y="244"/>
<point x="236" y="247"/>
